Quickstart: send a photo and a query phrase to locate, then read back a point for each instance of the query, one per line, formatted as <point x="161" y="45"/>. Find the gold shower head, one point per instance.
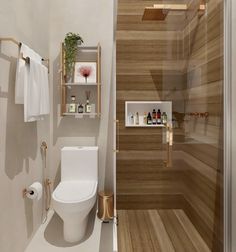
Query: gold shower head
<point x="160" y="11"/>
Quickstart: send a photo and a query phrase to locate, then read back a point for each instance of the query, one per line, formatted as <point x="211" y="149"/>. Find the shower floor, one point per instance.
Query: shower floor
<point x="158" y="231"/>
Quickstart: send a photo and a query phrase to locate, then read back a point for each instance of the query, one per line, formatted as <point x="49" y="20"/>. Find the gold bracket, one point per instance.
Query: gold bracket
<point x="43" y="146"/>
<point x="24" y="192"/>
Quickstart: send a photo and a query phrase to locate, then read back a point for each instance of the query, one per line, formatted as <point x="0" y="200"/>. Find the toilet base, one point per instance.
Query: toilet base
<point x="74" y="231"/>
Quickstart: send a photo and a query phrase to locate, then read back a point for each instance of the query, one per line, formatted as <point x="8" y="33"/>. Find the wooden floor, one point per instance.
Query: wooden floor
<point x="158" y="231"/>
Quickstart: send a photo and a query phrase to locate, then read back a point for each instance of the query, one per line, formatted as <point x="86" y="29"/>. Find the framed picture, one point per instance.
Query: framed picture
<point x="85" y="72"/>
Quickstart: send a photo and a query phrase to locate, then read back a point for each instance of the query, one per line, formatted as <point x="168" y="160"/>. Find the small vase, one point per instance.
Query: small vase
<point x="69" y="78"/>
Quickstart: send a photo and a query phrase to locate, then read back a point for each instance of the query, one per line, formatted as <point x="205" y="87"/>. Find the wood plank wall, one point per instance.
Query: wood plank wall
<point x="149" y="67"/>
<point x="179" y="59"/>
<point x="203" y="191"/>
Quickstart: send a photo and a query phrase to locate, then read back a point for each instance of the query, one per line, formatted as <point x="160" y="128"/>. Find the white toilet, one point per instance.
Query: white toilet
<point x="75" y="195"/>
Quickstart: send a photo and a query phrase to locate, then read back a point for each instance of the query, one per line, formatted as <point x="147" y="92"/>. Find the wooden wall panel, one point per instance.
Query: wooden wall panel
<point x="203" y="45"/>
<point x="179" y="59"/>
<point x="150" y="66"/>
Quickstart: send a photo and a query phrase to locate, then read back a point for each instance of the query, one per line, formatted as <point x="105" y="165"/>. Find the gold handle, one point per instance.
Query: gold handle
<point x="169" y="140"/>
<point x="117" y="136"/>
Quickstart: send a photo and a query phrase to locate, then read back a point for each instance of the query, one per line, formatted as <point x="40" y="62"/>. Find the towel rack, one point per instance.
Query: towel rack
<point x="27" y="59"/>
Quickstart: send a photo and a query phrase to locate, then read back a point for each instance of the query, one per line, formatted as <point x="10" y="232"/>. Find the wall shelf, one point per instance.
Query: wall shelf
<point x="81" y="84"/>
<point x="146" y="126"/>
<point x="81" y="115"/>
<point x="132" y="107"/>
<point x="84" y="54"/>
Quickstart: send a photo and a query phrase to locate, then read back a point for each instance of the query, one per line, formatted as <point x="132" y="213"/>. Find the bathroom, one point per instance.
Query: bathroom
<point x="170" y="183"/>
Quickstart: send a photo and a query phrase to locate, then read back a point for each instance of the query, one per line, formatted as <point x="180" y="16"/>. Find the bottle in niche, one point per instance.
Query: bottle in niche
<point x="158" y="116"/>
<point x="88" y="107"/>
<point x="154" y="117"/>
<point x="149" y="119"/>
<point x="164" y="118"/>
<point x="80" y="108"/>
<point x="145" y="118"/>
<point x="137" y="118"/>
<point x="72" y="105"/>
<point x="131" y="119"/>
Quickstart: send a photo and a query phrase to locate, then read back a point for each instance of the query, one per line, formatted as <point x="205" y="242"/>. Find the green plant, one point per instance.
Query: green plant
<point x="71" y="45"/>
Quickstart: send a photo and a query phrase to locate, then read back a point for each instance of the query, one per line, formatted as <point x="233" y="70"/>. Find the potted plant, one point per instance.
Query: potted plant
<point x="71" y="42"/>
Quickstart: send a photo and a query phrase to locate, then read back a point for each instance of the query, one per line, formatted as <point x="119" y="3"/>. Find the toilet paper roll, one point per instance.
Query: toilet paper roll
<point x="35" y="191"/>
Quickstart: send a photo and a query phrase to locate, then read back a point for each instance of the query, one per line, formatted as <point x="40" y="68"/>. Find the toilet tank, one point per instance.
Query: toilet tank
<point x="79" y="163"/>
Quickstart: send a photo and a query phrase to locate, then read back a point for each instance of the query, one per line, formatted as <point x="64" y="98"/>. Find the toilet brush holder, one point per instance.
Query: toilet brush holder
<point x="105" y="206"/>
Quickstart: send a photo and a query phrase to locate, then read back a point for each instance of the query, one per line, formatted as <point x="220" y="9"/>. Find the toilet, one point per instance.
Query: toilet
<point x="75" y="195"/>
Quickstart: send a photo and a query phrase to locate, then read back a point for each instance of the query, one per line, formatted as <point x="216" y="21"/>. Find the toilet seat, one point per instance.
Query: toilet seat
<point x="75" y="191"/>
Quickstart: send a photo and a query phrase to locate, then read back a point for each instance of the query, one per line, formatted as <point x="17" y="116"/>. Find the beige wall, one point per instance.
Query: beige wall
<point x="93" y="20"/>
<point x="20" y="158"/>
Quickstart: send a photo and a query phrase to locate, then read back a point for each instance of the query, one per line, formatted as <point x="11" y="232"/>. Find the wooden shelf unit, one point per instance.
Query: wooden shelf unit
<point x="93" y="52"/>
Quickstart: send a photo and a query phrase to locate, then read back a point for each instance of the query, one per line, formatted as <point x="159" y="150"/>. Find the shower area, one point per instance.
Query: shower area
<point x="169" y="194"/>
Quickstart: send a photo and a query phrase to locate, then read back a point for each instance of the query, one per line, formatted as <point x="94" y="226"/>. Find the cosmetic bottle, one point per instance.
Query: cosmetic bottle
<point x="131" y="119"/>
<point x="88" y="107"/>
<point x="145" y="118"/>
<point x="80" y="108"/>
<point x="149" y="119"/>
<point x="137" y="119"/>
<point x="72" y="105"/>
<point x="158" y="116"/>
<point x="164" y="118"/>
<point x="154" y="117"/>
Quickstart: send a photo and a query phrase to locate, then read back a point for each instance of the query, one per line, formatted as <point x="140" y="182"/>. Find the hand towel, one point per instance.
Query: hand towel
<point x="44" y="98"/>
<point x="36" y="94"/>
<point x="22" y="72"/>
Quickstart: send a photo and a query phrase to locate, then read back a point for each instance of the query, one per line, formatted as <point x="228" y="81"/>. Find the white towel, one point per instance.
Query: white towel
<point x="22" y="72"/>
<point x="36" y="93"/>
<point x="44" y="99"/>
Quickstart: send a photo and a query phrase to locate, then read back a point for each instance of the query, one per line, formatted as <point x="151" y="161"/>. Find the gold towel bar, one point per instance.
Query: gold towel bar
<point x="19" y="44"/>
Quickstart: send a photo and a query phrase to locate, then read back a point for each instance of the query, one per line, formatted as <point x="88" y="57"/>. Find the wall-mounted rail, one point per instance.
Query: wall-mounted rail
<point x="27" y="59"/>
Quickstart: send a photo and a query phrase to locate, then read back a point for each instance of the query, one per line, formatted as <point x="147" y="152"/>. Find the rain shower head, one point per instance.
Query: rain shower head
<point x="160" y="11"/>
<point x="151" y="13"/>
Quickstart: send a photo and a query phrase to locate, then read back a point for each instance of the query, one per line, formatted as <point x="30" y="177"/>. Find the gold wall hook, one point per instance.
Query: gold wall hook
<point x="43" y="146"/>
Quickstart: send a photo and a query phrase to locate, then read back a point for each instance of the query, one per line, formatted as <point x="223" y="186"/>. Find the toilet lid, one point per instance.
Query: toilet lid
<point x="75" y="191"/>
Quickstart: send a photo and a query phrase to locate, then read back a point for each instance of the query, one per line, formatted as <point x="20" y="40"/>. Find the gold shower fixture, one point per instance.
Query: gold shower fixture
<point x="160" y="11"/>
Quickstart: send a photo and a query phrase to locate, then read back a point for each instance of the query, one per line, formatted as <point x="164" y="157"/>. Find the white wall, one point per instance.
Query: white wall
<point x="93" y="20"/>
<point x="20" y="158"/>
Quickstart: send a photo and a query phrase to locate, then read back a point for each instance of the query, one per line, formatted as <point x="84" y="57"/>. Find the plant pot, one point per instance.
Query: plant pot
<point x="69" y="78"/>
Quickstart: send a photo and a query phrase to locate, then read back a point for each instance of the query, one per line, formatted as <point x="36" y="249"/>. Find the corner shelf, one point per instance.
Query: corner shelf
<point x="85" y="54"/>
<point x="147" y="106"/>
